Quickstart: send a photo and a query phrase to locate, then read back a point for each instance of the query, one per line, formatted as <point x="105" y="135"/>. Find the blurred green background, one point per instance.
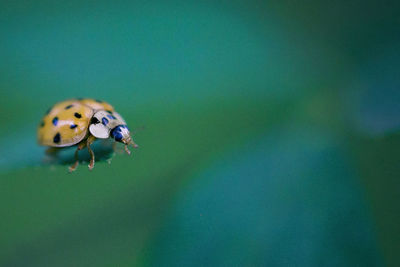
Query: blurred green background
<point x="271" y="133"/>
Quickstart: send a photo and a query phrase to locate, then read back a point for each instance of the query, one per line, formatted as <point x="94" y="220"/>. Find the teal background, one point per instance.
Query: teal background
<point x="268" y="133"/>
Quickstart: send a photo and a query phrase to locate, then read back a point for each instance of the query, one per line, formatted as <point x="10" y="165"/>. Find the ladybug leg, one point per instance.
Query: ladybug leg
<point x="75" y="165"/>
<point x="88" y="143"/>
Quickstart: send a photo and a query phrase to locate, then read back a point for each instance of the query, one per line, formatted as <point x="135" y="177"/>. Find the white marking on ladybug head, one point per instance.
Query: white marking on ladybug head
<point x="99" y="131"/>
<point x="100" y="125"/>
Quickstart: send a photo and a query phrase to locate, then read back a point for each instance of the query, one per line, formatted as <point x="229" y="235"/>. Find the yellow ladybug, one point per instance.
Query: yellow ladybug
<point x="80" y="122"/>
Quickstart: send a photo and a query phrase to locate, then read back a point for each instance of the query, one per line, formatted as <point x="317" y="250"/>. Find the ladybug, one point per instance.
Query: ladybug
<point x="79" y="122"/>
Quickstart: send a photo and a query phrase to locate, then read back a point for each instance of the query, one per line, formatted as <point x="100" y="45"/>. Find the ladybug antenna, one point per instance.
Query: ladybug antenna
<point x="130" y="142"/>
<point x="133" y="144"/>
<point x="126" y="149"/>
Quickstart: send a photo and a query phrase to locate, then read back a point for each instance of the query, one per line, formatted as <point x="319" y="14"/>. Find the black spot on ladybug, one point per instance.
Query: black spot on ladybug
<point x="42" y="124"/>
<point x="94" y="120"/>
<point x="78" y="115"/>
<point x="73" y="126"/>
<point x="104" y="120"/>
<point x="57" y="138"/>
<point x="98" y="101"/>
<point x="69" y="106"/>
<point x="55" y="121"/>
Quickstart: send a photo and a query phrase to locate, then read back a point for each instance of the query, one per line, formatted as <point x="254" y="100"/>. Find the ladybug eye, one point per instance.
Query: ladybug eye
<point x="116" y="134"/>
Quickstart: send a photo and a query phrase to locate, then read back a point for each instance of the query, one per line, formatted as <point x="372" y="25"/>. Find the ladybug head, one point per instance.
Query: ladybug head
<point x="121" y="134"/>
